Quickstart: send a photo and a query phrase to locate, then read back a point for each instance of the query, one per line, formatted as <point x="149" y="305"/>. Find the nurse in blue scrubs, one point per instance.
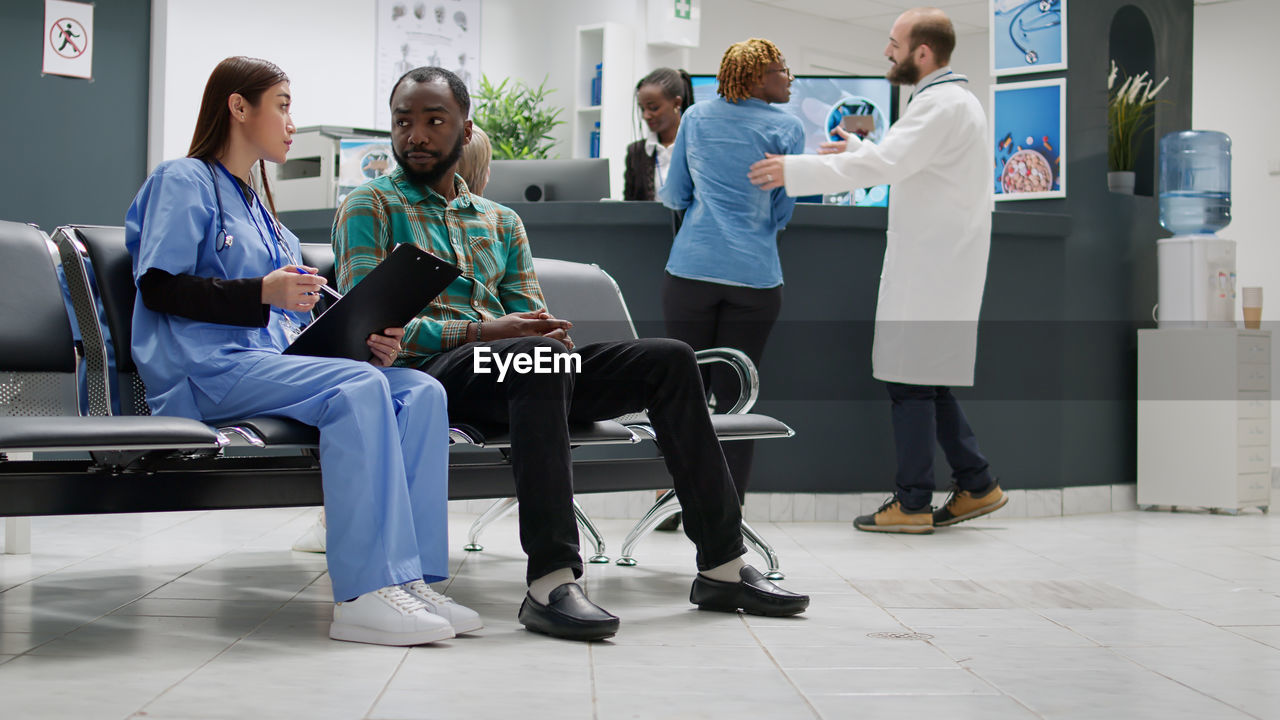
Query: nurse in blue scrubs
<point x="220" y="295"/>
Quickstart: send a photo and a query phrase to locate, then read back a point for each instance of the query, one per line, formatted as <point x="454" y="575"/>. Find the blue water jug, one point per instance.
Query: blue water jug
<point x="1195" y="182"/>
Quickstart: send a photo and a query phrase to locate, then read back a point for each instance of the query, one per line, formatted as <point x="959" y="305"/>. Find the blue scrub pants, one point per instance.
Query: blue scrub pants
<point x="384" y="438"/>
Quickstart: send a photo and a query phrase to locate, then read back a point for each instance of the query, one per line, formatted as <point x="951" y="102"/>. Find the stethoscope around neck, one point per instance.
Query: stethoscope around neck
<point x="947" y="77"/>
<point x="224" y="240"/>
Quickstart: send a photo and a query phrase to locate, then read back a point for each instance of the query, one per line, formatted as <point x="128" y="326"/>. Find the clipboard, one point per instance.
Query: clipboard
<point x="860" y="125"/>
<point x="389" y="296"/>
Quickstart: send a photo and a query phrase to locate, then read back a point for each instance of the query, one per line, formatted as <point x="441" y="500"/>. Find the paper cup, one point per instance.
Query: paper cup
<point x="1251" y="300"/>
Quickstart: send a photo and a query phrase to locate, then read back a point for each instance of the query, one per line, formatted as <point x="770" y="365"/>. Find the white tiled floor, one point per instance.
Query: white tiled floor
<point x="209" y="615"/>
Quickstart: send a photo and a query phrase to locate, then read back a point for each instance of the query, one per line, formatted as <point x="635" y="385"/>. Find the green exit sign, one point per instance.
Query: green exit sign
<point x="684" y="9"/>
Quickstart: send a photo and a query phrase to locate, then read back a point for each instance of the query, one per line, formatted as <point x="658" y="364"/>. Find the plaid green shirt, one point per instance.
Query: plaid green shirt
<point x="483" y="238"/>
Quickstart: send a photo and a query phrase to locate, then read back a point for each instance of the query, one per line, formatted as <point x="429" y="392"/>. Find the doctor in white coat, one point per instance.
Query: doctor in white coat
<point x="937" y="160"/>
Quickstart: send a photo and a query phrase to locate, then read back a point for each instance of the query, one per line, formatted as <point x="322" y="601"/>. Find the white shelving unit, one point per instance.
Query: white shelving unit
<point x="612" y="45"/>
<point x="1204" y="418"/>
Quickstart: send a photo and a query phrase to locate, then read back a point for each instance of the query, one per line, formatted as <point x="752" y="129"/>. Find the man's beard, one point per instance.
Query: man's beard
<point x="444" y="165"/>
<point x="904" y="73"/>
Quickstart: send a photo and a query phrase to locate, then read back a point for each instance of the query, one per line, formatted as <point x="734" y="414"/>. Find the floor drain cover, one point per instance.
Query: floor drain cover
<point x="900" y="636"/>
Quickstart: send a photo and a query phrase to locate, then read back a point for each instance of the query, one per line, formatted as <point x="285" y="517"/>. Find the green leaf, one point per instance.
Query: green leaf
<point x="518" y="119"/>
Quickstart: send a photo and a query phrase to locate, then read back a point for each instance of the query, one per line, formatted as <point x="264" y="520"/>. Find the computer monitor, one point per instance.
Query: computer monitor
<point x="548" y="180"/>
<point x="821" y="101"/>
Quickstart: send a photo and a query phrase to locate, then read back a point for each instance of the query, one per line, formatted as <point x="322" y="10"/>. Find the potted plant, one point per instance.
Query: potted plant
<point x="516" y="119"/>
<point x="1130" y="116"/>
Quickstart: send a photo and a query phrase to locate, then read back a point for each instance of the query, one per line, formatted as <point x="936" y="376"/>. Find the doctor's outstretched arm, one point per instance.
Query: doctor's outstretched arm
<point x="907" y="147"/>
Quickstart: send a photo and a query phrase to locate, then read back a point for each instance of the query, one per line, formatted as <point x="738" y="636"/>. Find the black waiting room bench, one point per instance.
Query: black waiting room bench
<point x="54" y="460"/>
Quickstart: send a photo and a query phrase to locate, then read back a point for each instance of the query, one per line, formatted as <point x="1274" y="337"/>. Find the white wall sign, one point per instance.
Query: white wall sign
<point x="673" y="23"/>
<point x="442" y="33"/>
<point x="68" y="39"/>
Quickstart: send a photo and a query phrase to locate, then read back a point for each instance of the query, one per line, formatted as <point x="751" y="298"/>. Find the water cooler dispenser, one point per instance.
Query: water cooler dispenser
<point x="1204" y="385"/>
<point x="1197" y="269"/>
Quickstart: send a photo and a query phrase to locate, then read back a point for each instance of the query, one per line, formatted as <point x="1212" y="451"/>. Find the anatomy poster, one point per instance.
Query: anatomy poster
<point x="413" y="33"/>
<point x="1030" y="130"/>
<point x="1028" y="36"/>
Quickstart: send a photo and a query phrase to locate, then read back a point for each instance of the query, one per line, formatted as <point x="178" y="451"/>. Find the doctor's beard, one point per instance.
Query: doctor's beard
<point x="444" y="164"/>
<point x="904" y="73"/>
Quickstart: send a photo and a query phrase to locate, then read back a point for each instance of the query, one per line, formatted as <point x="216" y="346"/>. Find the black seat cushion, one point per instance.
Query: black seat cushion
<point x="604" y="432"/>
<point x="103" y="433"/>
<point x="749" y="426"/>
<point x="282" y="431"/>
<point x="279" y="431"/>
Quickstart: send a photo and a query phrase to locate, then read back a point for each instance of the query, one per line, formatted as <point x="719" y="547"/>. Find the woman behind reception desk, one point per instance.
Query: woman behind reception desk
<point x="662" y="96"/>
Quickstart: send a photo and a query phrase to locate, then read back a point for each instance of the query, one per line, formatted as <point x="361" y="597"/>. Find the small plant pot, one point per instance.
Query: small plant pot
<point x="1120" y="181"/>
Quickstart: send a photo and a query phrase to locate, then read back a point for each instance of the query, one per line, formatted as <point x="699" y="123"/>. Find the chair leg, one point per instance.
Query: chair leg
<point x="496" y="511"/>
<point x="665" y="507"/>
<point x="589" y="527"/>
<point x="757" y="543"/>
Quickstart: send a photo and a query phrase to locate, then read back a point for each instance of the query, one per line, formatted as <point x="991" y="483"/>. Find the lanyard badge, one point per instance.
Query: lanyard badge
<point x="291" y="329"/>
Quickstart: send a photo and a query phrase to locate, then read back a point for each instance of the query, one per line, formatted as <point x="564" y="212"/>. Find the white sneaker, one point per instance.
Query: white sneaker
<point x="463" y="619"/>
<point x="313" y="540"/>
<point x="389" y="616"/>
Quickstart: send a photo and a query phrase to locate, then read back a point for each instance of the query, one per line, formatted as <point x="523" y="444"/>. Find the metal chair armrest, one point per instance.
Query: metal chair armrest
<point x="748" y="376"/>
<point x="464" y="436"/>
<point x="225" y="434"/>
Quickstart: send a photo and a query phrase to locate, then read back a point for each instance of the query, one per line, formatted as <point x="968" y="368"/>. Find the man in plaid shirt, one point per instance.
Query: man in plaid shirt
<point x="496" y="307"/>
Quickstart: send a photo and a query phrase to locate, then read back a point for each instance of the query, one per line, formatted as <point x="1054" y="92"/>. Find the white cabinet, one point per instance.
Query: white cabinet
<point x="612" y="46"/>
<point x="1204" y="418"/>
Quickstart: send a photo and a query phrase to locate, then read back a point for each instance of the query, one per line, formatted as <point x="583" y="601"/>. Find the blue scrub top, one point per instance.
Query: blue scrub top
<point x="173" y="225"/>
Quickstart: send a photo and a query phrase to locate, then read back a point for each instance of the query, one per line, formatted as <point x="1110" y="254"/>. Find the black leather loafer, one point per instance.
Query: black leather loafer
<point x="753" y="594"/>
<point x="569" y="615"/>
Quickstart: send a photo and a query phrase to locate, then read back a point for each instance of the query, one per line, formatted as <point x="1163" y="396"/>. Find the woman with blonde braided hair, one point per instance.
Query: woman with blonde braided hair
<point x="746" y="65"/>
<point x="723" y="285"/>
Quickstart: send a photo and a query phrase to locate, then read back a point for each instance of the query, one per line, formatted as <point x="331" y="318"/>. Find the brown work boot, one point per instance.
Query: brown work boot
<point x="964" y="505"/>
<point x="891" y="517"/>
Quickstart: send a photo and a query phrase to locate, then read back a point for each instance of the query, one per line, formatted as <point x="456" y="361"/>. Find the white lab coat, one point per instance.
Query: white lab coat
<point x="936" y="160"/>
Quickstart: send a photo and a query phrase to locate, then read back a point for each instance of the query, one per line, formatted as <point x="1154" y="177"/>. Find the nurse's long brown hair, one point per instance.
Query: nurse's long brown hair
<point x="250" y="77"/>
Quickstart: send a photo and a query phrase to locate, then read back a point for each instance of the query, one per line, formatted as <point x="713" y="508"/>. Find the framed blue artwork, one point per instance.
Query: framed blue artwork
<point x="1028" y="36"/>
<point x="1030" y="133"/>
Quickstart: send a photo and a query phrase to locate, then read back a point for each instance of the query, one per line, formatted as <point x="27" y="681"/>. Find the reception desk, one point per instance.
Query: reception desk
<point x="816" y="372"/>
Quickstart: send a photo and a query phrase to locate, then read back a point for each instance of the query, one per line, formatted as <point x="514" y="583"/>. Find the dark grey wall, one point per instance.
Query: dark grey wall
<point x="75" y="151"/>
<point x="1109" y="267"/>
<point x="816" y="373"/>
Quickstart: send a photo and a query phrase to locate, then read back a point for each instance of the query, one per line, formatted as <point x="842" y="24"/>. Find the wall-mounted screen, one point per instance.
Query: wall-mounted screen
<point x="820" y="103"/>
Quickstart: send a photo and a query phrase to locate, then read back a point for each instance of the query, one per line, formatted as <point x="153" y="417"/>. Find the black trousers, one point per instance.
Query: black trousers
<point x="707" y="315"/>
<point x="923" y="414"/>
<point x="617" y="378"/>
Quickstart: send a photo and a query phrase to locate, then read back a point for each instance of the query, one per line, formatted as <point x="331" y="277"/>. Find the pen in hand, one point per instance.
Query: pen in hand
<point x="334" y="293"/>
